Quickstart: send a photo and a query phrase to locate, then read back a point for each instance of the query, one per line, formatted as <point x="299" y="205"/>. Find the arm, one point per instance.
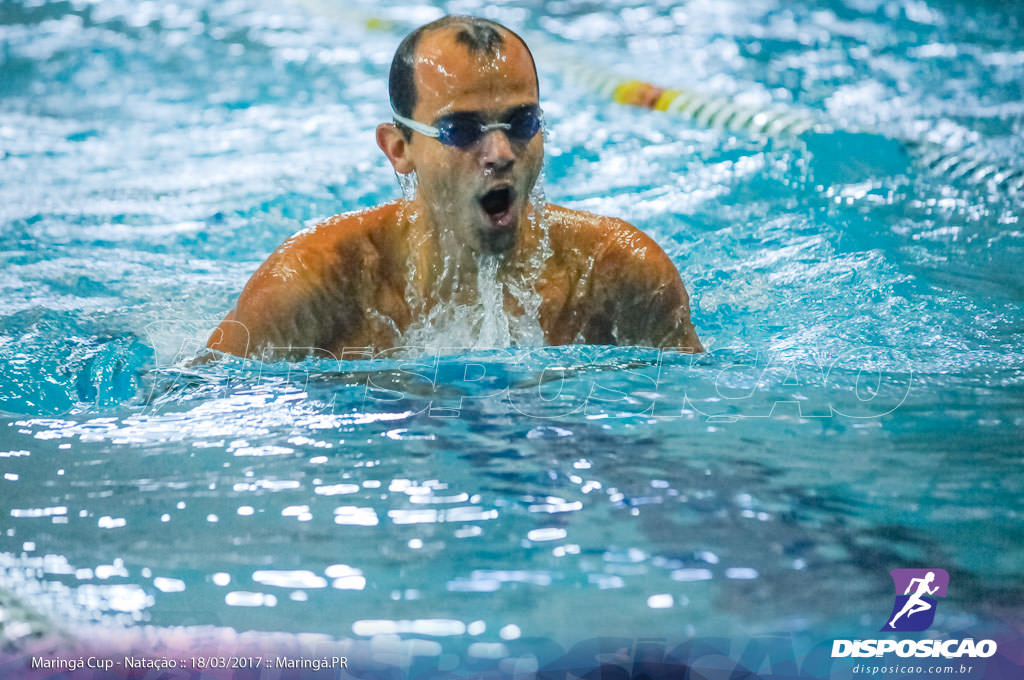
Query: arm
<point x="646" y="296"/>
<point x="259" y="323"/>
<point x="275" y="311"/>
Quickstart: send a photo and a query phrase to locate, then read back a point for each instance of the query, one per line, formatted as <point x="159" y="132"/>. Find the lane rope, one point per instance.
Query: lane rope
<point x="706" y="111"/>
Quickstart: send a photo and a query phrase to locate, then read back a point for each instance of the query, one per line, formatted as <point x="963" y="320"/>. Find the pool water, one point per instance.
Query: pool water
<point x="860" y="408"/>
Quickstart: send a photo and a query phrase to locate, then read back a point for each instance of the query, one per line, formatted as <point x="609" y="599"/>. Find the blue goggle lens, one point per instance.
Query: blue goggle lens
<point x="466" y="129"/>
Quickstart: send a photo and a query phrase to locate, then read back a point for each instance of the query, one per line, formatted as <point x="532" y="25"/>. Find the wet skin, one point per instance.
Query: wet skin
<point x="360" y="279"/>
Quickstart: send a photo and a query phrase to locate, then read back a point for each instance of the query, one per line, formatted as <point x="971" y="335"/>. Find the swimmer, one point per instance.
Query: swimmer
<point x="914" y="603"/>
<point x="467" y="126"/>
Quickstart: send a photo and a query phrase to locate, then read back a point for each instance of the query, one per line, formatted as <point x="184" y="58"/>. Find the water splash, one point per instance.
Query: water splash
<point x="494" y="322"/>
<point x="526" y="326"/>
<point x="472" y="310"/>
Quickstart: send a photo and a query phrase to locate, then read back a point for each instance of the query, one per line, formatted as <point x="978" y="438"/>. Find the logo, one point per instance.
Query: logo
<point x="914" y="610"/>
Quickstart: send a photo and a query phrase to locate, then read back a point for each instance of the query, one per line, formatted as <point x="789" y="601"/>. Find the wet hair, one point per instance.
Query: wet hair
<point x="480" y="36"/>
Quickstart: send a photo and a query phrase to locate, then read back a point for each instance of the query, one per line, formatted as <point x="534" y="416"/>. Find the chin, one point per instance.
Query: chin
<point x="500" y="244"/>
<point x="488" y="242"/>
<point x="499" y="239"/>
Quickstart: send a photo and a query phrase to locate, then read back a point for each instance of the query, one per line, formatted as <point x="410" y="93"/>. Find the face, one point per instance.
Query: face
<point x="478" y="193"/>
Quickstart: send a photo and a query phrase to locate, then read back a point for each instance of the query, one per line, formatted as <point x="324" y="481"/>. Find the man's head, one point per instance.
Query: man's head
<point x="457" y="74"/>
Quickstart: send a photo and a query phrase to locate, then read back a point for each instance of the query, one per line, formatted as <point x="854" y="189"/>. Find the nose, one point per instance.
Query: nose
<point x="496" y="153"/>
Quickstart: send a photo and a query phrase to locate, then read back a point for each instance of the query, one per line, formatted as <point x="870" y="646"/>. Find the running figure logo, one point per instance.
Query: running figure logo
<point x="914" y="610"/>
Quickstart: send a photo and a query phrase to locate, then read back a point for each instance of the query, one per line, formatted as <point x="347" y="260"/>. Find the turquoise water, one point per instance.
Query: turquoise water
<point x="860" y="407"/>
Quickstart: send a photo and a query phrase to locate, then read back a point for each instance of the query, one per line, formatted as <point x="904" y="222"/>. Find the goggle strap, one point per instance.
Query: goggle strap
<point x="422" y="128"/>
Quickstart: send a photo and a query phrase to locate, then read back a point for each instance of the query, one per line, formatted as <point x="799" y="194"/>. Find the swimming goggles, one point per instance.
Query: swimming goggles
<point x="464" y="129"/>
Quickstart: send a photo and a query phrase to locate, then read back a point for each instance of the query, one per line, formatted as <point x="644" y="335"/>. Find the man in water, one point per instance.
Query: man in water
<point x="467" y="131"/>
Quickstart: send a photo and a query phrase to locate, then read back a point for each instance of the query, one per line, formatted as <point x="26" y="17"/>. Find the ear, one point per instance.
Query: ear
<point x="395" y="146"/>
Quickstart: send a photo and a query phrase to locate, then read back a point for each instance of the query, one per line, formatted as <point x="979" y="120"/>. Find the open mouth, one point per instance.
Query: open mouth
<point x="497" y="204"/>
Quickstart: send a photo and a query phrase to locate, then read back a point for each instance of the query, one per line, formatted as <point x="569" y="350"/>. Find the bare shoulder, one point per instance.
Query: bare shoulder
<point x="311" y="248"/>
<point x="278" y="306"/>
<point x="630" y="280"/>
<point x="303" y="260"/>
<point x="609" y="242"/>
